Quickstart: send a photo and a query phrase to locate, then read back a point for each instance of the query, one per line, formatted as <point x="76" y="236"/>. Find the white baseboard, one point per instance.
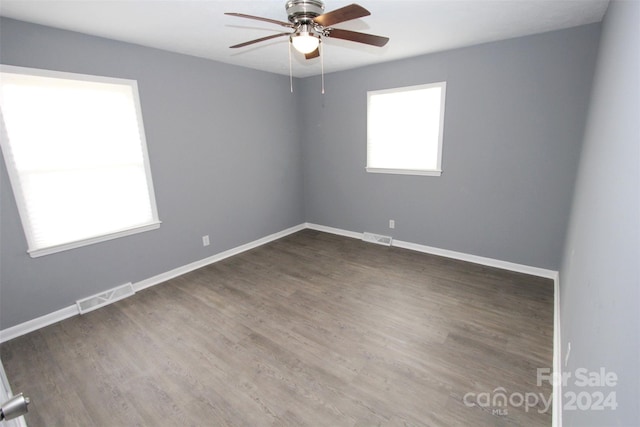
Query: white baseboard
<point x="489" y="262"/>
<point x="37" y="323"/>
<point x="72" y="310"/>
<point x="338" y="231"/>
<point x="163" y="277"/>
<point x="556" y="416"/>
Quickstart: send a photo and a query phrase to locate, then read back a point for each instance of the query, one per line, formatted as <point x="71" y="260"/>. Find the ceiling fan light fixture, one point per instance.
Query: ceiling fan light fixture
<point x="305" y="41"/>
<point x="310" y="25"/>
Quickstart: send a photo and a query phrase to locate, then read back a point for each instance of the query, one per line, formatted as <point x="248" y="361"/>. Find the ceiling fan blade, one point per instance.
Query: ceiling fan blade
<point x="313" y="54"/>
<point x="259" y="18"/>
<point x="261" y="39"/>
<point x="354" y="36"/>
<point x="347" y="13"/>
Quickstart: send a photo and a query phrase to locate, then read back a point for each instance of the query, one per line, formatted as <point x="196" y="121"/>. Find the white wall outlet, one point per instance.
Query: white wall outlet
<point x="205" y="240"/>
<point x="392" y="223"/>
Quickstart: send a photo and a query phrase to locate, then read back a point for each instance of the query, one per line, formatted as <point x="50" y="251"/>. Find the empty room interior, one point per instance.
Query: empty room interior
<point x="427" y="216"/>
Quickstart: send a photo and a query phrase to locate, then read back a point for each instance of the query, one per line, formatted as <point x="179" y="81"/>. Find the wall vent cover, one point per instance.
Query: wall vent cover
<point x="377" y="238"/>
<point x="103" y="298"/>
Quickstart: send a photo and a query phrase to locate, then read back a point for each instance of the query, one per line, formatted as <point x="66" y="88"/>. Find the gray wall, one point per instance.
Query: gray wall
<point x="228" y="164"/>
<point x="600" y="275"/>
<point x="223" y="162"/>
<point x="515" y="112"/>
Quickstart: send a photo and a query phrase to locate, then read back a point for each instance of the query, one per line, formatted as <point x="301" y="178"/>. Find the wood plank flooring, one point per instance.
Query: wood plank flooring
<point x="310" y="330"/>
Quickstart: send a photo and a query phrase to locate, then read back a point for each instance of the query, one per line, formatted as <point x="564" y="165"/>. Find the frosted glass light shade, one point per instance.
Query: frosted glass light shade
<point x="305" y="42"/>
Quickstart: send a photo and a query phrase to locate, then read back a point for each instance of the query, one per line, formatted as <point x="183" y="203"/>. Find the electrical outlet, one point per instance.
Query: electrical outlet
<point x="205" y="240"/>
<point x="392" y="223"/>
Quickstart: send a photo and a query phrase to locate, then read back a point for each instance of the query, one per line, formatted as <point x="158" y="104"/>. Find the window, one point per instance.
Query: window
<point x="404" y="130"/>
<point x="75" y="150"/>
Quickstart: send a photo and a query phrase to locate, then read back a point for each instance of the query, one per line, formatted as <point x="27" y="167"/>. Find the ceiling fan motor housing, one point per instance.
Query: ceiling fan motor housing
<point x="303" y="11"/>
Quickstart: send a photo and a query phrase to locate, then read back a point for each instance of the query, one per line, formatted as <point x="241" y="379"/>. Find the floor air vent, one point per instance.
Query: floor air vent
<point x="107" y="297"/>
<point x="377" y="238"/>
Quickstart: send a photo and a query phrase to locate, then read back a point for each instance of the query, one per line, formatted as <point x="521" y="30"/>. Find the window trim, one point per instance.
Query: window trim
<point x="420" y="172"/>
<point x="423" y="172"/>
<point x="14" y="177"/>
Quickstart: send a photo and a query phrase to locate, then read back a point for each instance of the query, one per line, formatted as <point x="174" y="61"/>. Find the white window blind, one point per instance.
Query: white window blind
<point x="405" y="129"/>
<point x="76" y="153"/>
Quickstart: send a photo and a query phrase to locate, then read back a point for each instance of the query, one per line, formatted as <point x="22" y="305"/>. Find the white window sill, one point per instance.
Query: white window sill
<point x="433" y="172"/>
<point x="35" y="253"/>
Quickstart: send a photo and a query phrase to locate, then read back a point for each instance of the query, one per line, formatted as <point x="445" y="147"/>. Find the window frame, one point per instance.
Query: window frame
<point x="14" y="176"/>
<point x="407" y="171"/>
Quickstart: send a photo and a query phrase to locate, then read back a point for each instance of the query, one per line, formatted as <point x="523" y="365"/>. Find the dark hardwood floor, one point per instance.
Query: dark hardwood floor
<point x="312" y="329"/>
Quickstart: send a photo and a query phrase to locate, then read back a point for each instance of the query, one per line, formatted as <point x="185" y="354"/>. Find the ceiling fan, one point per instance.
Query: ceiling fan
<point x="310" y="24"/>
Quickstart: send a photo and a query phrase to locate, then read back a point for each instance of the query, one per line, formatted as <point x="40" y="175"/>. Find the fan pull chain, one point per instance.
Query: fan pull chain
<point x="321" y="51"/>
<point x="290" y="69"/>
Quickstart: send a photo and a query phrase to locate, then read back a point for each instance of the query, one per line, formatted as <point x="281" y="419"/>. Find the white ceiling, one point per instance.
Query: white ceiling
<point x="200" y="28"/>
